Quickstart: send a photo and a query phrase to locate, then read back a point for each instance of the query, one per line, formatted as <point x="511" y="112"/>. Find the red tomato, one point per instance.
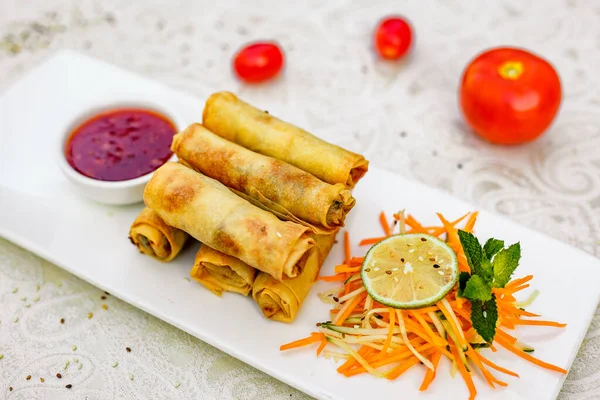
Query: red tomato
<point x="258" y="62"/>
<point x="509" y="96"/>
<point x="393" y="38"/>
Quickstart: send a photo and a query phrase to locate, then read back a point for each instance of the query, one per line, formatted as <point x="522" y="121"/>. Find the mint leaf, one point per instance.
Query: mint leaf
<point x="462" y="282"/>
<point x="492" y="246"/>
<point x="505" y="262"/>
<point x="473" y="251"/>
<point x="484" y="316"/>
<point x="477" y="289"/>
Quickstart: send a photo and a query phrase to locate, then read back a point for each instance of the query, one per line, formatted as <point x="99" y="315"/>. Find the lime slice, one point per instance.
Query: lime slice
<point x="409" y="271"/>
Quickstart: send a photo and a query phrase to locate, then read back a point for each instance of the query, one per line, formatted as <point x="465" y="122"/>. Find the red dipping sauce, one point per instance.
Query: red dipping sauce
<point x="120" y="144"/>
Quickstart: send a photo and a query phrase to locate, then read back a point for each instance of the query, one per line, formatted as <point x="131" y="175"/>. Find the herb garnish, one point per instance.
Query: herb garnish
<point x="491" y="267"/>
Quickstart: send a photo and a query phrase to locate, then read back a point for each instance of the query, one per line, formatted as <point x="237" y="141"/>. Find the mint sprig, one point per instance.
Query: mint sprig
<point x="491" y="266"/>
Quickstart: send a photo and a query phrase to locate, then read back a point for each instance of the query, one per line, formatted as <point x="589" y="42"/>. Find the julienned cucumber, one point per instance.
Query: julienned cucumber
<point x="524" y="347"/>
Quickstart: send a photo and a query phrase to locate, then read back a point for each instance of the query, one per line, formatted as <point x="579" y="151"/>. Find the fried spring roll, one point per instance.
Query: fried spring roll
<point x="281" y="301"/>
<point x="272" y="184"/>
<point x="239" y="122"/>
<point x="154" y="237"/>
<point x="219" y="272"/>
<point x="215" y="216"/>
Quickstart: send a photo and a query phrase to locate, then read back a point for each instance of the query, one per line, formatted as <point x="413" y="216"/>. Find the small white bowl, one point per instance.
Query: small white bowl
<point x="110" y="192"/>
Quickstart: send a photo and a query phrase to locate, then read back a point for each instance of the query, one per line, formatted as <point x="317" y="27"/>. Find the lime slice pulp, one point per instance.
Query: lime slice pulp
<point x="409" y="271"/>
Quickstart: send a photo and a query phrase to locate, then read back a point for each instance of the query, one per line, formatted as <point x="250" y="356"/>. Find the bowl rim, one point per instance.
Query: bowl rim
<point x="106" y="106"/>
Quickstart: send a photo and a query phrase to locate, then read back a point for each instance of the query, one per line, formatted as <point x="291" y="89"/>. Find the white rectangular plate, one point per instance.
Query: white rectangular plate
<point x="42" y="212"/>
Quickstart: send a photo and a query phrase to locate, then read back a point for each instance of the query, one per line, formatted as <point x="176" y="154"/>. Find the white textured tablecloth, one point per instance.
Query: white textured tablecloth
<point x="402" y="116"/>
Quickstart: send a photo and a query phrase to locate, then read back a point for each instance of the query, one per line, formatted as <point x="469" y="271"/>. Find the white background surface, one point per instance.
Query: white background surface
<point x="332" y="86"/>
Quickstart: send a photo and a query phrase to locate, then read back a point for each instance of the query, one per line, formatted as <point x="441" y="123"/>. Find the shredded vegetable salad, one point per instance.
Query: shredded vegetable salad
<point x="373" y="338"/>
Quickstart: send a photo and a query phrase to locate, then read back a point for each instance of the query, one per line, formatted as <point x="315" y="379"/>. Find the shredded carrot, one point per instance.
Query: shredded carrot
<point x="471" y="222"/>
<point x="539" y="323"/>
<point x="510" y="347"/>
<point x="347" y="245"/>
<point x="370" y="241"/>
<point x="384" y="224"/>
<point x="430" y="374"/>
<point x="339" y="269"/>
<point x="497" y="367"/>
<point x="321" y="346"/>
<point x="333" y="278"/>
<point x="465" y="374"/>
<point x="314" y="337"/>
<point x="400" y="369"/>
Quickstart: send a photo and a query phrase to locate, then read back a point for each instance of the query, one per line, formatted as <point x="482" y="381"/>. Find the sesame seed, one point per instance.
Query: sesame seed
<point x="128" y="349"/>
<point x="376" y="269"/>
<point x="10" y="389"/>
<point x="279" y="235"/>
<point x="402" y="259"/>
<point x="396" y="279"/>
<point x="431" y="259"/>
<point x="103" y="297"/>
<point x="69" y="386"/>
<point x="42" y="380"/>
<point x="367" y="269"/>
<point x="395" y="269"/>
<point x="115" y="364"/>
<point x="423" y="240"/>
<point x="411" y="251"/>
<point x="336" y="299"/>
<point x="435" y="266"/>
<point x="90" y="315"/>
<point x="62" y="320"/>
<point x="420" y="258"/>
<point x="105" y="306"/>
<point x="441" y="272"/>
<point x="356" y="326"/>
<point x="28" y="377"/>
<point x="59" y="376"/>
<point x="388" y="272"/>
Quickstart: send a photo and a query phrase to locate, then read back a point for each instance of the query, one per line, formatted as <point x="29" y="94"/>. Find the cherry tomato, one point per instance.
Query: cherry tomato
<point x="509" y="96"/>
<point x="258" y="62"/>
<point x="393" y="38"/>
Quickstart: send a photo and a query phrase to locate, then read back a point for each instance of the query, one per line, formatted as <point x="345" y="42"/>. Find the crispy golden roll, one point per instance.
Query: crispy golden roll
<point x="155" y="238"/>
<point x="281" y="301"/>
<point x="239" y="122"/>
<point x="219" y="272"/>
<point x="287" y="191"/>
<point x="211" y="213"/>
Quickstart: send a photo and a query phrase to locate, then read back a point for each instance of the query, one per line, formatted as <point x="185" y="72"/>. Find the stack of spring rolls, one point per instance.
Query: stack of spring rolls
<point x="264" y="198"/>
